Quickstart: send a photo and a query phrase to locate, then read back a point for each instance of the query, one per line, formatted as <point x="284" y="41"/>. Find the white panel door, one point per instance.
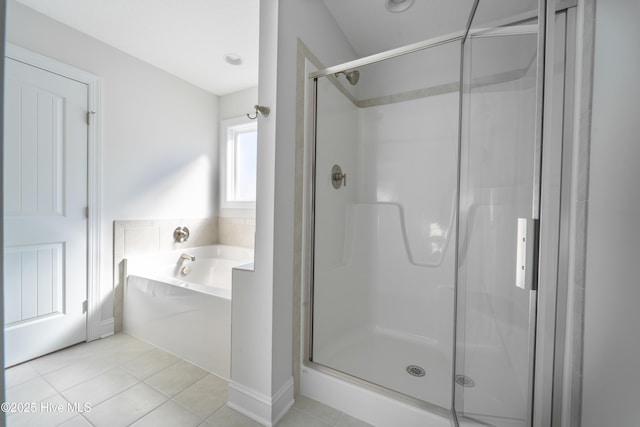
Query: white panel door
<point x="45" y="199"/>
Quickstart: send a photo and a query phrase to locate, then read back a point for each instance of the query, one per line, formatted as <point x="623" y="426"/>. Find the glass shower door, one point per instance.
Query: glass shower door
<point x="499" y="186"/>
<point x="384" y="196"/>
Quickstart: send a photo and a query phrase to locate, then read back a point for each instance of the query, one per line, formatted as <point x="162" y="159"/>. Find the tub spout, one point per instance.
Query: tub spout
<point x="187" y="257"/>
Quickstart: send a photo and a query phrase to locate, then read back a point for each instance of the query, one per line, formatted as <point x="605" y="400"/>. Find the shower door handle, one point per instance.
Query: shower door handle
<point x="526" y="254"/>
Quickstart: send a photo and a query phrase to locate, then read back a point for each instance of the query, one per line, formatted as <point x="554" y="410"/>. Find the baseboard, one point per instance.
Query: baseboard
<point x="106" y="328"/>
<point x="282" y="401"/>
<point x="263" y="409"/>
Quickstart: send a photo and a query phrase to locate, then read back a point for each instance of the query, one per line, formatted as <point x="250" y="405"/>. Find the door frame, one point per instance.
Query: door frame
<point x="95" y="329"/>
<point x="557" y="352"/>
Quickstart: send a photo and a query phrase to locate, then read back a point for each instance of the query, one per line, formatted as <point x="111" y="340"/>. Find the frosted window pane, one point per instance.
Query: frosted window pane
<point x="245" y="166"/>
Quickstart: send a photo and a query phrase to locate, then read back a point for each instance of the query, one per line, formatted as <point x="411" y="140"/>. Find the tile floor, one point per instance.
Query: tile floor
<point x="122" y="381"/>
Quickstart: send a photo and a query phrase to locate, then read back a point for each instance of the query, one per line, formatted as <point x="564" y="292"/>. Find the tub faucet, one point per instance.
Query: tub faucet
<point x="187" y="257"/>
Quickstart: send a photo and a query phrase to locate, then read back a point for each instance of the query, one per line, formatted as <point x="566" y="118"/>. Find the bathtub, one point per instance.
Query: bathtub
<point x="188" y="315"/>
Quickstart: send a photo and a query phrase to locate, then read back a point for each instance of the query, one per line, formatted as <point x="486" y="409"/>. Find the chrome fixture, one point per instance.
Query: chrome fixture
<point x="465" y="381"/>
<point x="352" y="76"/>
<point x="185" y="269"/>
<point x="181" y="234"/>
<point x="187" y="257"/>
<point x="260" y="109"/>
<point x="397" y="6"/>
<point x="416" y="371"/>
<point x="525" y="248"/>
<point x="233" y="59"/>
<point x="393" y="53"/>
<point x="338" y="179"/>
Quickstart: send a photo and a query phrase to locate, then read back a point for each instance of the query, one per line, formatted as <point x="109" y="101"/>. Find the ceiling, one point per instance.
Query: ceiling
<point x="187" y="38"/>
<point x="370" y="28"/>
<point x="190" y="38"/>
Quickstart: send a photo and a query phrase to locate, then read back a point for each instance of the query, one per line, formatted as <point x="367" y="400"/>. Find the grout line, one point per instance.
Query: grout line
<point x="77" y="413"/>
<point x="114" y="395"/>
<point x="88" y="420"/>
<point x="46" y="397"/>
<point x="190" y="411"/>
<point x="20" y="383"/>
<point x="315" y="417"/>
<point x="147" y="413"/>
<point x="75" y="384"/>
<point x="153" y="373"/>
<point x="100" y="352"/>
<point x="47" y="373"/>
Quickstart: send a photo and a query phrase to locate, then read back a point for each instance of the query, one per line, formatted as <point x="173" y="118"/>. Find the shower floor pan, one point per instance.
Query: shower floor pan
<point x="382" y="358"/>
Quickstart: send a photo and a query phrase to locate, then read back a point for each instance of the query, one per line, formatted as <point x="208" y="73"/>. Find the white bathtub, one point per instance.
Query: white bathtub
<point x="189" y="316"/>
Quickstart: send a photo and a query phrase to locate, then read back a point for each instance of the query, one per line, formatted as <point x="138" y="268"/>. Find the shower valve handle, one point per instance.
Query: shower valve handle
<point x="338" y="179"/>
<point x="341" y="177"/>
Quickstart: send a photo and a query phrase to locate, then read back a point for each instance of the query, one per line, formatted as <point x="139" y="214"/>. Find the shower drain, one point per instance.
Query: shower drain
<point x="465" y="381"/>
<point x="415" y="370"/>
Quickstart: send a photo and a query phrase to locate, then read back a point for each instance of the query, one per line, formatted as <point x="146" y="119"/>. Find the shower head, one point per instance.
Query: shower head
<point x="352" y="76"/>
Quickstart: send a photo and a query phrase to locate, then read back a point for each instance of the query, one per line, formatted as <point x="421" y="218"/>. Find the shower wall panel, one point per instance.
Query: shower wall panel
<point x="383" y="252"/>
<point x="407" y="162"/>
<point x="339" y="294"/>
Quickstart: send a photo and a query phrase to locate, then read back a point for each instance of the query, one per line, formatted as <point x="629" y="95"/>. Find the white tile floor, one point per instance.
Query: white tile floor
<point x="122" y="381"/>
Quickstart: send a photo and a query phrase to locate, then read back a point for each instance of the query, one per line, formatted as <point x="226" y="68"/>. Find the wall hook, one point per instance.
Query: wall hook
<point x="260" y="109"/>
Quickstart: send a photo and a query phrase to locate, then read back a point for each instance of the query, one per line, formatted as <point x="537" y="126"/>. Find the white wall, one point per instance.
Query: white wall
<point x="252" y="307"/>
<point x="611" y="382"/>
<point x="263" y="300"/>
<point x="158" y="137"/>
<point x="237" y="104"/>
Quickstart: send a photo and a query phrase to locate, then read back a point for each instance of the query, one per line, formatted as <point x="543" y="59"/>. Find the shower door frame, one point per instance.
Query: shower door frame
<point x="549" y="364"/>
<point x="554" y="206"/>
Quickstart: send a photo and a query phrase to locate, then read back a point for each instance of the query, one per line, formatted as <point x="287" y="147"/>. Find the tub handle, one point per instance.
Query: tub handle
<point x="181" y="234"/>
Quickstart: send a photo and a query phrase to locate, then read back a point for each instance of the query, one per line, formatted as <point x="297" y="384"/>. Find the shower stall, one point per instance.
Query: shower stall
<point x="426" y="175"/>
<point x="385" y="196"/>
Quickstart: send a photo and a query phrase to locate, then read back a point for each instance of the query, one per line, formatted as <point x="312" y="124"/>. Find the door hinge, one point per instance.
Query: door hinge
<point x="86" y="212"/>
<point x="90" y="115"/>
<point x="85" y="306"/>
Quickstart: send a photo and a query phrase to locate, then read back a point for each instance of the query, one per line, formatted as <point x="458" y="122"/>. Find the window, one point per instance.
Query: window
<point x="239" y="159"/>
